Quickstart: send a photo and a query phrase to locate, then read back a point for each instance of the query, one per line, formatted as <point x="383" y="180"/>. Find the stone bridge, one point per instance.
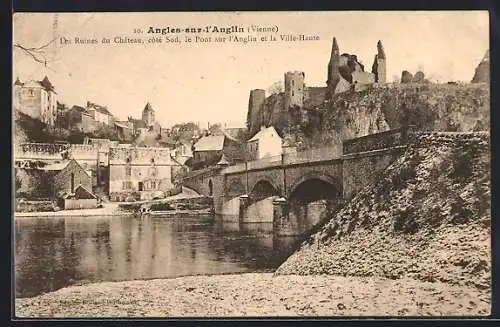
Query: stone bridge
<point x="297" y="191"/>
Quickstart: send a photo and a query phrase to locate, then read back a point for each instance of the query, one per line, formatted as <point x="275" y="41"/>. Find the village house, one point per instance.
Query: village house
<point x="37" y="99"/>
<point x="81" y="198"/>
<point x="80" y="120"/>
<point x="50" y="180"/>
<point x="139" y="172"/>
<point x="125" y="129"/>
<point x="209" y="150"/>
<point x="266" y="143"/>
<point x="100" y="113"/>
<point x="66" y="176"/>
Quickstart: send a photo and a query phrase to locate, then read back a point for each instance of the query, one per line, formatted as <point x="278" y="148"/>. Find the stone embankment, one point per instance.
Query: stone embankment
<point x="171" y="205"/>
<point x="428" y="219"/>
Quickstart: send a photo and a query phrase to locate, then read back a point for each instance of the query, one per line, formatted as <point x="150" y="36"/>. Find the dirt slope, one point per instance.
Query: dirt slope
<point x="427" y="219"/>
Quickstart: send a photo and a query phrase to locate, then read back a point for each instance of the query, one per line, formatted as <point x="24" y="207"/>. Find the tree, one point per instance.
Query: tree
<point x="215" y="129"/>
<point x="276" y="88"/>
<point x="38" y="54"/>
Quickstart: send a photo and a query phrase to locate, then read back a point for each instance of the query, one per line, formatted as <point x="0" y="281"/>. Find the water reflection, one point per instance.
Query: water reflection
<point x="52" y="253"/>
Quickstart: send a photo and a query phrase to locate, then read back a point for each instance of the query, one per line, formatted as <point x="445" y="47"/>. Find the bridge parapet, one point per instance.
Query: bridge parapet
<point x="383" y="140"/>
<point x="312" y="155"/>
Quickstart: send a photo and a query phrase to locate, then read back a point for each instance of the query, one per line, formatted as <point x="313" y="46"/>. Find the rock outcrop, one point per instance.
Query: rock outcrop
<point x="406" y="77"/>
<point x="482" y="73"/>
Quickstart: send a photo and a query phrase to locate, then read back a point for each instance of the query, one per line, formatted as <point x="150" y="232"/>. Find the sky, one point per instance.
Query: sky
<point x="210" y="82"/>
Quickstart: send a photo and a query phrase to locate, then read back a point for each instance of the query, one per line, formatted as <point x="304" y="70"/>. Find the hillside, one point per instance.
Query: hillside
<point x="28" y="129"/>
<point x="428" y="219"/>
<point x="430" y="107"/>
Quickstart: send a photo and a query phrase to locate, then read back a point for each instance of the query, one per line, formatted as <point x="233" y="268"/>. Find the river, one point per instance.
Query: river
<point x="56" y="252"/>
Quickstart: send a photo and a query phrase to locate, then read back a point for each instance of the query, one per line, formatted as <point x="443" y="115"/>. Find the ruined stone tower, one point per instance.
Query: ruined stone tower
<point x="379" y="68"/>
<point x="148" y="115"/>
<point x="294" y="89"/>
<point x="333" y="70"/>
<point x="255" y="106"/>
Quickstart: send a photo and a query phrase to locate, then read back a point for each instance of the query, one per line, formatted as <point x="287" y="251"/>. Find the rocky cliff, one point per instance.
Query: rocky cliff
<point x="427" y="219"/>
<point x="430" y="107"/>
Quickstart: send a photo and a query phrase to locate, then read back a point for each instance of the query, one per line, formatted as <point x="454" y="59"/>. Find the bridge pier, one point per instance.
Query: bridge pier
<point x="244" y="203"/>
<point x="283" y="222"/>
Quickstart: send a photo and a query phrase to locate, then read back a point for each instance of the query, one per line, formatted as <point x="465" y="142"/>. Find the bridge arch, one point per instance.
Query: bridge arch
<point x="235" y="188"/>
<point x="314" y="186"/>
<point x="264" y="188"/>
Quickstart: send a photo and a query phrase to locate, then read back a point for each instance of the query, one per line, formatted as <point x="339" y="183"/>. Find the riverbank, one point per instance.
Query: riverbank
<point x="259" y="295"/>
<point x="108" y="209"/>
<point x="115" y="208"/>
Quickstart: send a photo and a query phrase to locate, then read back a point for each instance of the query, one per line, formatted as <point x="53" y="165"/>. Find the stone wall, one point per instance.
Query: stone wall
<point x="39" y="151"/>
<point x="294" y="89"/>
<point x="382" y="140"/>
<point x="362" y="169"/>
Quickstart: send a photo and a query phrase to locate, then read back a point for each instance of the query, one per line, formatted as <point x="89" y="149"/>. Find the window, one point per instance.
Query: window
<point x="31" y="93"/>
<point x="292" y="92"/>
<point x="127" y="185"/>
<point x="128" y="171"/>
<point x="141" y="186"/>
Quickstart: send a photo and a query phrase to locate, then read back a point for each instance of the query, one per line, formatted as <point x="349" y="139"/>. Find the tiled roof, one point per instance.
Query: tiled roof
<point x="101" y="109"/>
<point x="57" y="166"/>
<point x="262" y="132"/>
<point x="122" y="124"/>
<point x="81" y="109"/>
<point x="47" y="84"/>
<point x="82" y="192"/>
<point x="210" y="143"/>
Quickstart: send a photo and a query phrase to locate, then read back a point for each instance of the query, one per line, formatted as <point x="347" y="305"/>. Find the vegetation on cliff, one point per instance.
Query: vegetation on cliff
<point x="28" y="129"/>
<point x="430" y="107"/>
<point x="428" y="218"/>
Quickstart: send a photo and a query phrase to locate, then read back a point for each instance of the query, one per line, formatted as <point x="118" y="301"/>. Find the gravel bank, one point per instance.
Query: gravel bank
<point x="255" y="295"/>
<point x="109" y="209"/>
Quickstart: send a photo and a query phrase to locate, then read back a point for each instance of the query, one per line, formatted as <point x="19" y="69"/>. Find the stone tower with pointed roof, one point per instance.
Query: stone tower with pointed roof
<point x="148" y="115"/>
<point x="37" y="99"/>
<point x="379" y="68"/>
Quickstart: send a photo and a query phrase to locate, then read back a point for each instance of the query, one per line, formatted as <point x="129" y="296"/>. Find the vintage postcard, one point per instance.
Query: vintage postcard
<point x="252" y="164"/>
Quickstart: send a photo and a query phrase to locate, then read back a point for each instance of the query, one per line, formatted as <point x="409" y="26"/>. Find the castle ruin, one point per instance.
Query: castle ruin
<point x="344" y="73"/>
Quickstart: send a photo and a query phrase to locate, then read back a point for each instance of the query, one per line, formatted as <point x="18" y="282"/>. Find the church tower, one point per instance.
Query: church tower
<point x="379" y="68"/>
<point x="333" y="70"/>
<point x="148" y="115"/>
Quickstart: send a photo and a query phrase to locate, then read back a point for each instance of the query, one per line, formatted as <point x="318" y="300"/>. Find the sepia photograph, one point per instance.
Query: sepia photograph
<point x="251" y="164"/>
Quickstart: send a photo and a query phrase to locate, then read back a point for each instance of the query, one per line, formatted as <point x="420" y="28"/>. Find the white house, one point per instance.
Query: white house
<point x="266" y="143"/>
